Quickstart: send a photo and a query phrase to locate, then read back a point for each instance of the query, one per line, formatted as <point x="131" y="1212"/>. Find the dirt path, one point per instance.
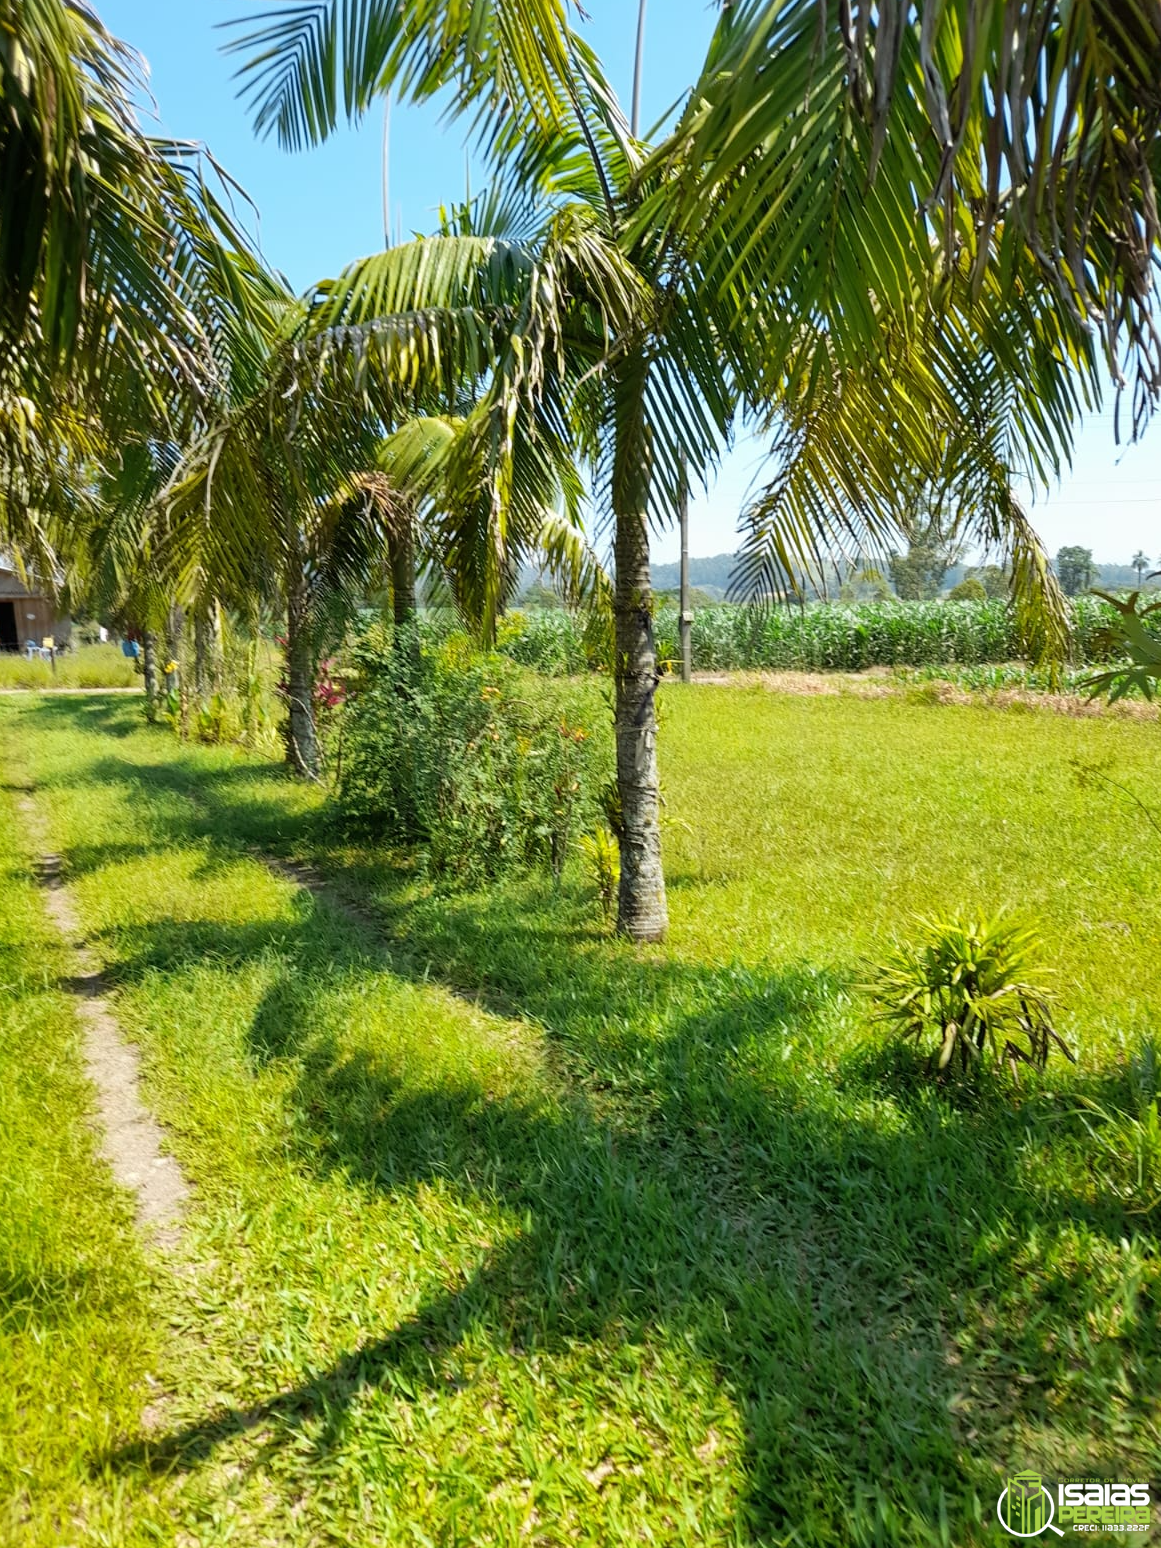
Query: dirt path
<point x="132" y="1140"/>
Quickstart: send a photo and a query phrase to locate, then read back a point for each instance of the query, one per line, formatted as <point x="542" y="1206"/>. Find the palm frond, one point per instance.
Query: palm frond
<point x="836" y="164"/>
<point x="308" y="64"/>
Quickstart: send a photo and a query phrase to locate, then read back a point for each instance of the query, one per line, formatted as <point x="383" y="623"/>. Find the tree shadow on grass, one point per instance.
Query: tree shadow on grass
<point x="880" y="1282"/>
<point x="692" y="1174"/>
<point x="116" y="716"/>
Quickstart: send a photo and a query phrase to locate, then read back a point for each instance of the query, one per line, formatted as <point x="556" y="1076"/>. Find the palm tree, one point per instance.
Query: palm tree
<point x="271" y="501"/>
<point x="115" y="252"/>
<point x="626" y="368"/>
<point x="1140" y="563"/>
<point x="777" y="260"/>
<point x="325" y="459"/>
<point x="453" y="528"/>
<point x="1018" y="141"/>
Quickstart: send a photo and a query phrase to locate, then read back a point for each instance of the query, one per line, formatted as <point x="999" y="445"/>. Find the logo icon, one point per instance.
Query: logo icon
<point x="1025" y="1508"/>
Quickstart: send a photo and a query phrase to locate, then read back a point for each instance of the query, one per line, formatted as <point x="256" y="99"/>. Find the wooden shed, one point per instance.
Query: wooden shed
<point x="26" y="613"/>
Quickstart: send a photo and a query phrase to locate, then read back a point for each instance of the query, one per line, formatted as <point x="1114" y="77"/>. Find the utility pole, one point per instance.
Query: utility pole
<point x="683" y="514"/>
<point x="686" y="623"/>
<point x="638" y="69"/>
<point x="387" y="172"/>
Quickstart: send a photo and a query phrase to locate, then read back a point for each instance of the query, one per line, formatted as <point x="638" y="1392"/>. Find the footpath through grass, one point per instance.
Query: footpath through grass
<point x="75" y="1334"/>
<point x="628" y="1246"/>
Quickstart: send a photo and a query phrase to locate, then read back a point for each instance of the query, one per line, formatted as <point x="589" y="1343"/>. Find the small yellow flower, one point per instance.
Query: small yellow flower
<point x="170" y="668"/>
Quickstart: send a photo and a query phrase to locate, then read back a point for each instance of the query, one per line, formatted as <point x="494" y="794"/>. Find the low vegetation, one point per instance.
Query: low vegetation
<point x="819" y="637"/>
<point x="971" y="988"/>
<point x="506" y="1231"/>
<point x="89" y="666"/>
<point x="483" y="767"/>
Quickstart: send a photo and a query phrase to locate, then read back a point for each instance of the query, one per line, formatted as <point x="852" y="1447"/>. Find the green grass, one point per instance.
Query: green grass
<point x="614" y="1246"/>
<point x="89" y="666"/>
<point x="75" y="1332"/>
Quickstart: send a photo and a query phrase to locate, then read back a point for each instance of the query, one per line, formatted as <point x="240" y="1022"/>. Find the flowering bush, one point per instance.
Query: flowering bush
<point x="486" y="768"/>
<point x="330" y="693"/>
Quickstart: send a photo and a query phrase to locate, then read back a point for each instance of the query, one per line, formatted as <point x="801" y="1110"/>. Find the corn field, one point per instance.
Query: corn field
<point x="819" y="637"/>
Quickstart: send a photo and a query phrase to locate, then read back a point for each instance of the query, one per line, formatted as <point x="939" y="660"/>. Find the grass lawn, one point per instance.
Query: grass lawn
<point x="89" y="666"/>
<point x="505" y="1232"/>
<point x="75" y="1333"/>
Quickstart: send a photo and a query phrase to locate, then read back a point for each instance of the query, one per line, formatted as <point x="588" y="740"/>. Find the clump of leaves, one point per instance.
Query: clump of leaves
<point x="969" y="988"/>
<point x="484" y="769"/>
<point x="1132" y="634"/>
<point x="212" y="720"/>
<point x="602" y="860"/>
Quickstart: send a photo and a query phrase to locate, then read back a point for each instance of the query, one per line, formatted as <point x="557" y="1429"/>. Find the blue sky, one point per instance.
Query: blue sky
<point x="321" y="209"/>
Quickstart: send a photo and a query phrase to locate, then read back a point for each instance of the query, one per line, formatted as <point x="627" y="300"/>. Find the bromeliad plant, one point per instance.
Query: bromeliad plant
<point x="971" y="986"/>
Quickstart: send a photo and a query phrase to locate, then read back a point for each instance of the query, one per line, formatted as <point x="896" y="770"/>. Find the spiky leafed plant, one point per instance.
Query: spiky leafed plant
<point x="969" y="987"/>
<point x="1135" y="634"/>
<point x="785" y="255"/>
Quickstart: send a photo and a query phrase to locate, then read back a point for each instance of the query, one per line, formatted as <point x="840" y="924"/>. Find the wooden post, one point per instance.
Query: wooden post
<point x="686" y="621"/>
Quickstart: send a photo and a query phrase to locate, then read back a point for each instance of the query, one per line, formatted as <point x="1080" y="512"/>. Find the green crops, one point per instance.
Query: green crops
<point x="819" y="637"/>
<point x="851" y="637"/>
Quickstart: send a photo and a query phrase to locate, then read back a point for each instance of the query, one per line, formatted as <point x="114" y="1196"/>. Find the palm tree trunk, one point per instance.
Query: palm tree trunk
<point x="642" y="912"/>
<point x="174" y="629"/>
<point x="203" y="654"/>
<point x="302" y="749"/>
<point x="402" y="548"/>
<point x="149" y="670"/>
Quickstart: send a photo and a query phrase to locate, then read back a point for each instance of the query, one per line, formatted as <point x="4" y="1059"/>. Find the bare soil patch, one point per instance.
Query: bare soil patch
<point x="132" y="1140"/>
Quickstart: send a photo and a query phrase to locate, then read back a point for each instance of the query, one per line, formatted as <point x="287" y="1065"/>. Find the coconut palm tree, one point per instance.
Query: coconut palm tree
<point x="827" y="152"/>
<point x="335" y="449"/>
<point x="115" y="254"/>
<point x="785" y="255"/>
<point x="1140" y="562"/>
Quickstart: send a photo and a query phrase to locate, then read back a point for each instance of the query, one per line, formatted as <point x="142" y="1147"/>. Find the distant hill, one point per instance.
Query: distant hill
<point x="709" y="575"/>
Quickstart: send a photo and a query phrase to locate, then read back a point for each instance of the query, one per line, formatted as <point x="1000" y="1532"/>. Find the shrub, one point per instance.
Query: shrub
<point x="550" y="640"/>
<point x="484" y="767"/>
<point x="603" y="862"/>
<point x="242" y="704"/>
<point x="970" y="589"/>
<point x="970" y="986"/>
